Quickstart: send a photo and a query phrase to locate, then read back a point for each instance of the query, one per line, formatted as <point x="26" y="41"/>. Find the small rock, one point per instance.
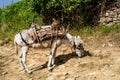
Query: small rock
<point x="103" y="45"/>
<point x="110" y="24"/>
<point x="77" y="76"/>
<point x="108" y="20"/>
<point x="83" y="62"/>
<point x="114" y="19"/>
<point x="3" y="73"/>
<point x="112" y="75"/>
<point x="102" y="19"/>
<point x="31" y="79"/>
<point x="107" y="14"/>
<point x="66" y="74"/>
<point x="119" y="15"/>
<point x="110" y="45"/>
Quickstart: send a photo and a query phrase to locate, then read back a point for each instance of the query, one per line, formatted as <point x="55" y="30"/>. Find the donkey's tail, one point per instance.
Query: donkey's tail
<point x="16" y="47"/>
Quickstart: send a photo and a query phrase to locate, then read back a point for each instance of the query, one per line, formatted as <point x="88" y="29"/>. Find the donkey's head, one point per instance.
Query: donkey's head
<point x="78" y="42"/>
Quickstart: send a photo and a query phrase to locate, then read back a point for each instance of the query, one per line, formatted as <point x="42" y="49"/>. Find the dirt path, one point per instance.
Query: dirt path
<point x="104" y="64"/>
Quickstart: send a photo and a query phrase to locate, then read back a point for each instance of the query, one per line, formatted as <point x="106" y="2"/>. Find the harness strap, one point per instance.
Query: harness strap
<point x="23" y="39"/>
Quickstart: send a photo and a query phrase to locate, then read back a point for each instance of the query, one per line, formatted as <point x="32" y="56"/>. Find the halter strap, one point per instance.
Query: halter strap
<point x="23" y="39"/>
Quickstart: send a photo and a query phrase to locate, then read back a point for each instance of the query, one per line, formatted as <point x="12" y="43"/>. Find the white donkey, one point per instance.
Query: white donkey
<point x="25" y="39"/>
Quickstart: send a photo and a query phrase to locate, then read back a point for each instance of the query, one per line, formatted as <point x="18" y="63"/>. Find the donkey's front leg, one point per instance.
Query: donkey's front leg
<point x="23" y="53"/>
<point x="52" y="55"/>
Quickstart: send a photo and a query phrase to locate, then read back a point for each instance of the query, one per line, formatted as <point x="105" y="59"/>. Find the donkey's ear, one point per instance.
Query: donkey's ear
<point x="75" y="37"/>
<point x="53" y="19"/>
<point x="32" y="23"/>
<point x="78" y="37"/>
<point x="75" y="40"/>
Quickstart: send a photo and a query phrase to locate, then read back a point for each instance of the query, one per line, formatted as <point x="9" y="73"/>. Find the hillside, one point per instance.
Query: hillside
<point x="78" y="14"/>
<point x="101" y="41"/>
<point x="104" y="62"/>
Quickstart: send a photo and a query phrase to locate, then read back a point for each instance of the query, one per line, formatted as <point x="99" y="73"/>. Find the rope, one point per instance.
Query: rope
<point x="23" y="39"/>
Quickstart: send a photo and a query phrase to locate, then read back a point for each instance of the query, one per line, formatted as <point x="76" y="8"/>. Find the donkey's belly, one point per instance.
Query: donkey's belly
<point x="44" y="44"/>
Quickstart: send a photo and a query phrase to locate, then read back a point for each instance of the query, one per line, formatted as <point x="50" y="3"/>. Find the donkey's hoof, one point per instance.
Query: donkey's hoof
<point x="29" y="71"/>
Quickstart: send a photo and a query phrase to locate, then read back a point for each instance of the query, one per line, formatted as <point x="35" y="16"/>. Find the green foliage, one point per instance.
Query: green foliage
<point x="106" y="30"/>
<point x="86" y="31"/>
<point x="18" y="13"/>
<point x="74" y="12"/>
<point x="78" y="13"/>
<point x="101" y="31"/>
<point x="16" y="17"/>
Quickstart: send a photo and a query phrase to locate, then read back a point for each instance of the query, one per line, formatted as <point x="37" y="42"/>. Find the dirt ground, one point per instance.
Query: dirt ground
<point x="104" y="64"/>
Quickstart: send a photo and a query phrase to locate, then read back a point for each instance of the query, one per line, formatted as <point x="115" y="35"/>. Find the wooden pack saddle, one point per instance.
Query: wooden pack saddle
<point x="45" y="32"/>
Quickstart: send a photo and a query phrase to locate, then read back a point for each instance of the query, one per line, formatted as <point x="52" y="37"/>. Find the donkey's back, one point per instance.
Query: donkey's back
<point x="23" y="38"/>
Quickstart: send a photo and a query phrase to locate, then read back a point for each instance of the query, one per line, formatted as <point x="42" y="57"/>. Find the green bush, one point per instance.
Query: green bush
<point x="16" y="17"/>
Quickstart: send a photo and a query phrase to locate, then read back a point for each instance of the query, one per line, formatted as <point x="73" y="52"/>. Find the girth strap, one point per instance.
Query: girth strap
<point x="23" y="39"/>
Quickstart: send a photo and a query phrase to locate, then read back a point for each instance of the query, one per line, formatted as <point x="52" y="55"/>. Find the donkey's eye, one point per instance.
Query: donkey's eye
<point x="32" y="37"/>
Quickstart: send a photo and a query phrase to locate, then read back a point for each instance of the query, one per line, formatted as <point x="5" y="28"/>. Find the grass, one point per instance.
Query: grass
<point x="107" y="30"/>
<point x="101" y="30"/>
<point x="7" y="34"/>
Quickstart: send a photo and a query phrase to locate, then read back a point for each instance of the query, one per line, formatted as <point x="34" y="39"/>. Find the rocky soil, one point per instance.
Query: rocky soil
<point x="104" y="64"/>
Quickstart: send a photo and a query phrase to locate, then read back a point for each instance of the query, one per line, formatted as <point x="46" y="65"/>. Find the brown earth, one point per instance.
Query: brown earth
<point x="104" y="64"/>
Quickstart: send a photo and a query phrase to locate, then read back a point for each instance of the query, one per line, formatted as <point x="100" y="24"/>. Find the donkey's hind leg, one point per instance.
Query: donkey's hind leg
<point x="23" y="53"/>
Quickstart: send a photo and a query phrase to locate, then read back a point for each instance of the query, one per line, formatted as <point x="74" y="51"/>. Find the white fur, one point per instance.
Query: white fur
<point x="24" y="48"/>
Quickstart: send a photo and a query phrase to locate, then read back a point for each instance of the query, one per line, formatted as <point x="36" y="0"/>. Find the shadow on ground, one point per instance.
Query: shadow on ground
<point x="61" y="59"/>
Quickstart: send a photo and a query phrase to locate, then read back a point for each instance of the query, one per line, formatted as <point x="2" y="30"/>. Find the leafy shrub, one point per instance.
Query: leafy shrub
<point x="16" y="17"/>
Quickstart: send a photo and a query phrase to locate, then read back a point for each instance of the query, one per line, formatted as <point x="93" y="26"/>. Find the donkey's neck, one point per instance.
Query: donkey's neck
<point x="69" y="36"/>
